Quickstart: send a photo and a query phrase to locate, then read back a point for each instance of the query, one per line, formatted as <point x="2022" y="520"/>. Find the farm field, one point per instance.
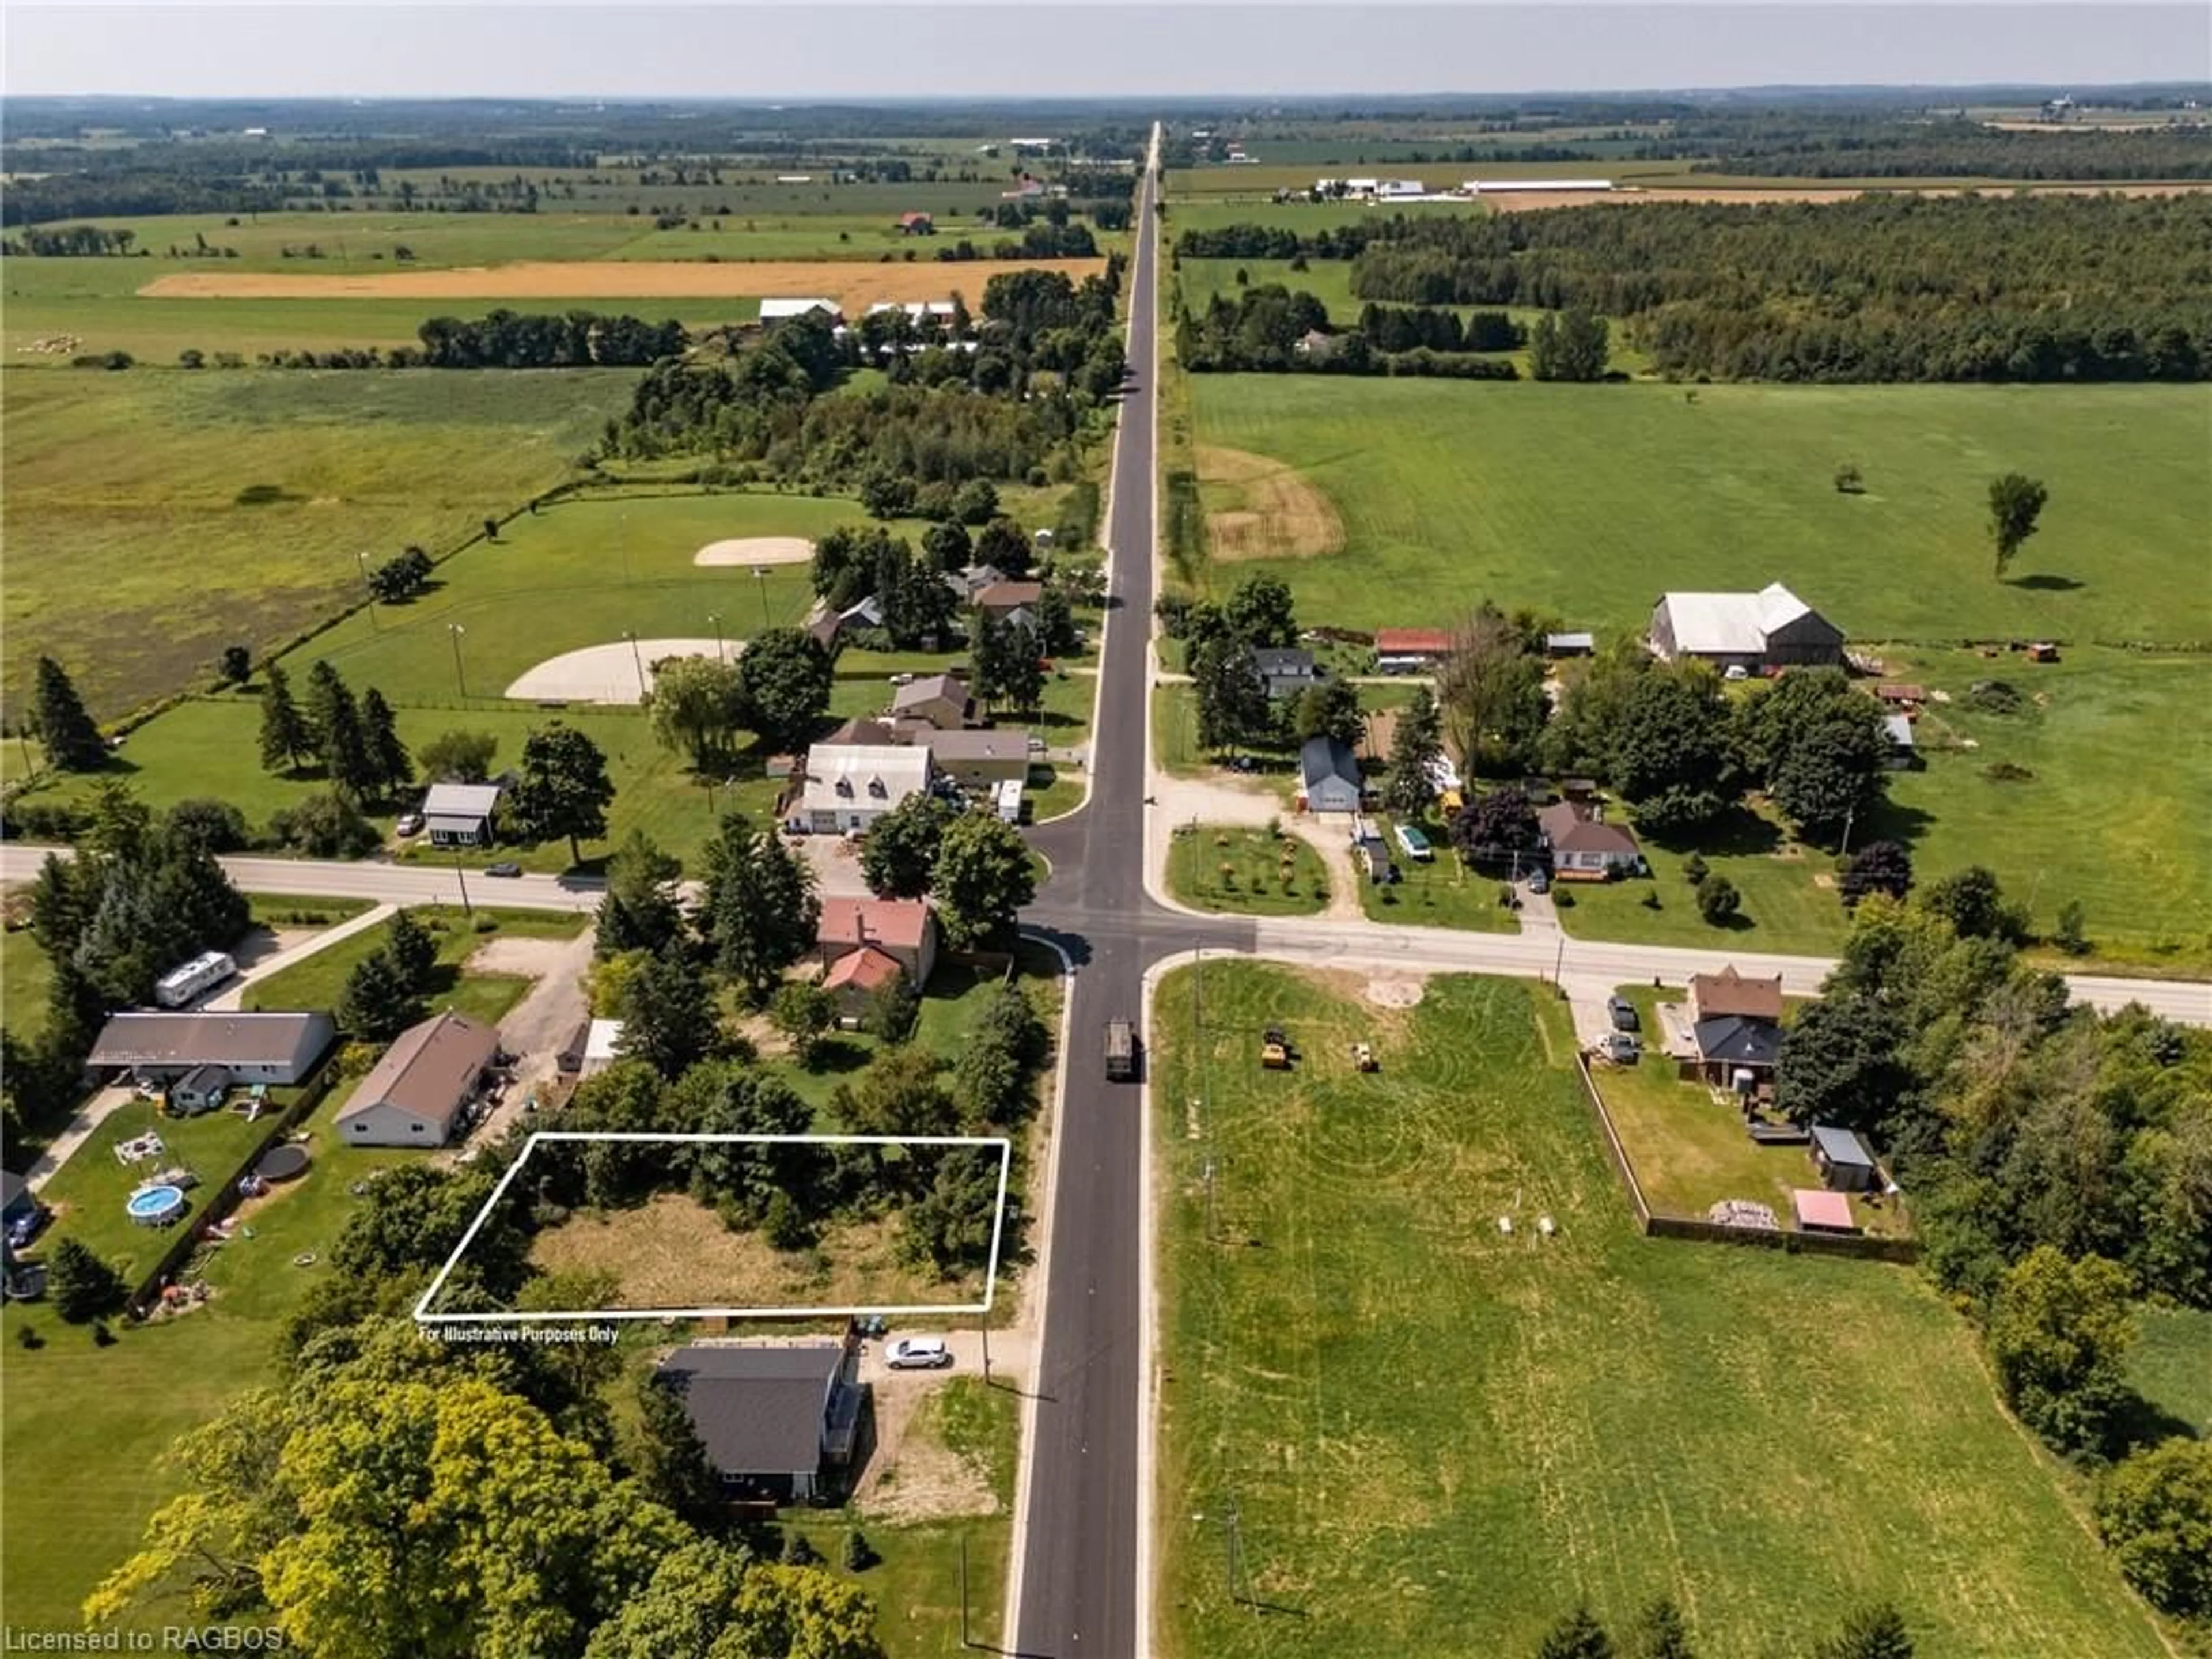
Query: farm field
<point x="1428" y="1428"/>
<point x="319" y="981"/>
<point x="84" y="1428"/>
<point x="1543" y="496"/>
<point x="152" y="519"/>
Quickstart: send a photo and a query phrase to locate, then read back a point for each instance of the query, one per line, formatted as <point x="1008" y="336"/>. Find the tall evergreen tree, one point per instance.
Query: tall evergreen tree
<point x="640" y="911"/>
<point x="1578" y="1635"/>
<point x="389" y="768"/>
<point x="72" y="742"/>
<point x="286" y="737"/>
<point x="667" y="1014"/>
<point x="761" y="906"/>
<point x="1876" y="1631"/>
<point x="377" y="1004"/>
<point x="412" y="953"/>
<point x="340" y="742"/>
<point x="1417" y="744"/>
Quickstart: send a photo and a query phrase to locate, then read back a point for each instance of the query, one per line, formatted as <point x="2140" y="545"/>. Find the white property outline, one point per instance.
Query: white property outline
<point x="423" y="1317"/>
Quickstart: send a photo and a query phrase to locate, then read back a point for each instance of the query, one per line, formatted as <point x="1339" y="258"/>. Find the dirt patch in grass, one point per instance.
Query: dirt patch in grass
<point x="756" y="549"/>
<point x="525" y="958"/>
<point x="1274" y="513"/>
<point x="914" y="1475"/>
<point x="672" y="1252"/>
<point x="1394" y="993"/>
<point x="851" y="284"/>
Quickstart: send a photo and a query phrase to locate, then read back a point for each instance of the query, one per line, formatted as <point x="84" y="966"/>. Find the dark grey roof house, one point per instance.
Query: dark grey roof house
<point x="1285" y="672"/>
<point x="1329" y="777"/>
<point x="1732" y="1042"/>
<point x="259" y="1047"/>
<point x="771" y="1419"/>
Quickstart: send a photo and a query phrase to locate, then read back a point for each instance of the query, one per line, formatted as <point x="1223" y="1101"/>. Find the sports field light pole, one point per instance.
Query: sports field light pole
<point x="636" y="661"/>
<point x="760" y="580"/>
<point x="460" y="679"/>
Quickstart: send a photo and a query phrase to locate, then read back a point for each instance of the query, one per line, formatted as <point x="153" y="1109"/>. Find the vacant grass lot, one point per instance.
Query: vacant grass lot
<point x="1441" y="893"/>
<point x="1591" y="501"/>
<point x="1245" y="872"/>
<point x="132" y="560"/>
<point x="83" y="1429"/>
<point x="2172" y="1365"/>
<point x="1438" y="1438"/>
<point x="317" y="982"/>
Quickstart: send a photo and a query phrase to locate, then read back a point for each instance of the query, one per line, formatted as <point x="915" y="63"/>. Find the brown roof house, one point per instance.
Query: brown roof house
<point x="977" y="760"/>
<point x="1011" y="602"/>
<point x="261" y="1047"/>
<point x="1584" y="846"/>
<point x="905" y="930"/>
<point x="941" y="700"/>
<point x="414" y="1095"/>
<point x="1719" y="996"/>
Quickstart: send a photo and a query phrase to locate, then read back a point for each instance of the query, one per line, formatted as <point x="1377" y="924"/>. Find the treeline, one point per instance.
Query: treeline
<point x="1043" y="241"/>
<point x="996" y="404"/>
<point x="1272" y="330"/>
<point x="69" y="242"/>
<point x="1958" y="149"/>
<point x="30" y="201"/>
<point x="508" y="339"/>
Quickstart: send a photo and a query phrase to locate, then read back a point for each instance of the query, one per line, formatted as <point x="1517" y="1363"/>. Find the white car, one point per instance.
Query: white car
<point x="918" y="1353"/>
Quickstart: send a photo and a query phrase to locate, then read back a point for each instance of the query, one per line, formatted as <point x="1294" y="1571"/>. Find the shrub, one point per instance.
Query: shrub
<point x="1996" y="697"/>
<point x="2069" y="936"/>
<point x="1718" y="900"/>
<point x="798" y="1553"/>
<point x="1695" y="870"/>
<point x="860" y="1554"/>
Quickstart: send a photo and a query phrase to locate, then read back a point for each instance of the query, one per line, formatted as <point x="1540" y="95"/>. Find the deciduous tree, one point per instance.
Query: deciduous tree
<point x="696" y="706"/>
<point x="784" y="679"/>
<point x="458" y="756"/>
<point x="2156" y="1512"/>
<point x="899" y="857"/>
<point x="236" y="666"/>
<point x="1233" y="710"/>
<point x="1330" y="709"/>
<point x="562" y="787"/>
<point x="803" y="1014"/>
<point x="1497" y="825"/>
<point x="639" y="911"/>
<point x="2016" y="503"/>
<point x="1880" y="867"/>
<point x="1718" y="901"/>
<point x="1839" y="1063"/>
<point x="2059" y="1336"/>
<point x="1492" y="689"/>
<point x="1005" y="545"/>
<point x="1260" y="612"/>
<point x="983" y="878"/>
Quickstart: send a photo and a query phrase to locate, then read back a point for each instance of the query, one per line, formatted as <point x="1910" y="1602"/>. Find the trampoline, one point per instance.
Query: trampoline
<point x="156" y="1207"/>
<point x="282" y="1163"/>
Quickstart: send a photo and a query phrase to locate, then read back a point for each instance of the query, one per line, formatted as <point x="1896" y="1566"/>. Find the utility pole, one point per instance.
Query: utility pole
<point x="464" y="881"/>
<point x="760" y="581"/>
<point x="360" y="559"/>
<point x="1850" y="813"/>
<point x="966" y="1641"/>
<point x="460" y="679"/>
<point x="636" y="661"/>
<point x="717" y="621"/>
<point x="1560" y="959"/>
<point x="987" y="1342"/>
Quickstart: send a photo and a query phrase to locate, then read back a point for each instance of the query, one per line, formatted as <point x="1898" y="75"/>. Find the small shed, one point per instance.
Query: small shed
<point x="200" y="1090"/>
<point x="1844" y="1161"/>
<point x="1821" y="1211"/>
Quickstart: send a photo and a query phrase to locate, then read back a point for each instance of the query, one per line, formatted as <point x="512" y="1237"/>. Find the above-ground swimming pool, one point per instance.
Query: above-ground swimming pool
<point x="156" y="1207"/>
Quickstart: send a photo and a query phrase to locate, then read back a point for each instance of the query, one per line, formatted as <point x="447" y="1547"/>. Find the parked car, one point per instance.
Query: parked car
<point x="1736" y="671"/>
<point x="504" y="867"/>
<point x="918" y="1353"/>
<point x="1623" y="1014"/>
<point x="1037" y="746"/>
<point x="1540" y="881"/>
<point x="1623" y="1050"/>
<point x="411" y="824"/>
<point x="25" y="1227"/>
<point x="1242" y="764"/>
<point x="901" y="679"/>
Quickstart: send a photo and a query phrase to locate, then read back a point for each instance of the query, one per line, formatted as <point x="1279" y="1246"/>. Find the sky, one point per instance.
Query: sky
<point x="1044" y="48"/>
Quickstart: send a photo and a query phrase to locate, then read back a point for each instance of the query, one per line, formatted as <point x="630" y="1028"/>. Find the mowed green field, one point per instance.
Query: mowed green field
<point x="131" y="559"/>
<point x="1589" y="502"/>
<point x="1438" y="1438"/>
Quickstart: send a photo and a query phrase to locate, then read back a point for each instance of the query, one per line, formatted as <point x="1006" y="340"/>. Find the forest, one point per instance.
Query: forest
<point x="1879" y="288"/>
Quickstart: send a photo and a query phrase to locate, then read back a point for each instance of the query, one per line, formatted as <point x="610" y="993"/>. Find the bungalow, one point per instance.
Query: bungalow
<point x="941" y="700"/>
<point x="415" y="1095"/>
<point x="1584" y="845"/>
<point x="905" y="930"/>
<point x="968" y="583"/>
<point x="1842" y="1158"/>
<point x="771" y="1420"/>
<point x="980" y="760"/>
<point x="1329" y="777"/>
<point x="1771" y="628"/>
<point x="1737" y="1053"/>
<point x="267" y="1048"/>
<point x="1411" y="650"/>
<point x="460" y="814"/>
<point x="1011" y="602"/>
<point x="1286" y="672"/>
<point x="916" y="224"/>
<point x="849" y="787"/>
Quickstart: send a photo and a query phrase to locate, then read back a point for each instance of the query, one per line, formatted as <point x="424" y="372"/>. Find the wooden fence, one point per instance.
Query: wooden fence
<point x="1659" y="1223"/>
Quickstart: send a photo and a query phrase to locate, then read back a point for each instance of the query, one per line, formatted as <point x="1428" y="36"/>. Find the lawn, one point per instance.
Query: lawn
<point x="2172" y="1366"/>
<point x="25" y="974"/>
<point x="152" y="519"/>
<point x="83" y="1429"/>
<point x="1438" y="1438"/>
<point x="916" y="1585"/>
<point x="1450" y="492"/>
<point x="1245" y="872"/>
<point x="1441" y="893"/>
<point x="1784" y="906"/>
<point x="317" y="982"/>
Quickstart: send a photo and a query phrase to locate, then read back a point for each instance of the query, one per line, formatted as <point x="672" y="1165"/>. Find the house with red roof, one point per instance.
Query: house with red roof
<point x="902" y="931"/>
<point x="1411" y="650"/>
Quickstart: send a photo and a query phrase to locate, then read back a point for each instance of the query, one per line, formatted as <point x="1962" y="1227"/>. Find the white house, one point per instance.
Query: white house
<point x="850" y="785"/>
<point x="460" y="814"/>
<point x="414" y="1094"/>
